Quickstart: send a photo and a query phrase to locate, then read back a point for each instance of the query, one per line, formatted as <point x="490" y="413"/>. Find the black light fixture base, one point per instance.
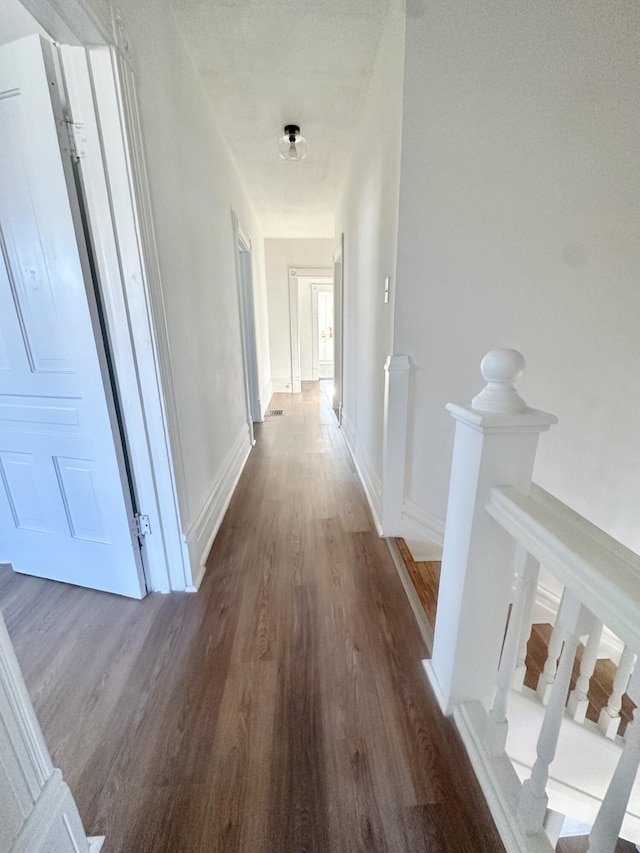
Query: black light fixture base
<point x="291" y="130"/>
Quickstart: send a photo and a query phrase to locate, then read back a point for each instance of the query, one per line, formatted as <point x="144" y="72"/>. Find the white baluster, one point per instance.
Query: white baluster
<point x="606" y="828"/>
<point x="497" y="725"/>
<point x="548" y="674"/>
<point x="579" y="698"/>
<point x="534" y="799"/>
<point x="527" y="624"/>
<point x="609" y="720"/>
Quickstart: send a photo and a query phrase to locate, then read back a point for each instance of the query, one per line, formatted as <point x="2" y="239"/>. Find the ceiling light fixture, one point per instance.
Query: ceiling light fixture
<point x="292" y="146"/>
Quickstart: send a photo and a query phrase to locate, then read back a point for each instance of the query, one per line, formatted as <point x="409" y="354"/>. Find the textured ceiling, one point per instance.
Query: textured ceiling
<point x="267" y="63"/>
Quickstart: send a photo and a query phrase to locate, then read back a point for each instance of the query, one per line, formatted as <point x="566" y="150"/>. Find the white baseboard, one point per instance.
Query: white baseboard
<point x="432" y="678"/>
<point x="417" y="524"/>
<point x="281" y="385"/>
<point x="52" y="822"/>
<point x="368" y="476"/>
<point x="202" y="531"/>
<point x="265" y="398"/>
<point x="545" y="606"/>
<point x="306" y="375"/>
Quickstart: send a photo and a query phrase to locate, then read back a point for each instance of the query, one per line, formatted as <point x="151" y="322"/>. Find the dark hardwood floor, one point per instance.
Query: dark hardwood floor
<point x="283" y="708"/>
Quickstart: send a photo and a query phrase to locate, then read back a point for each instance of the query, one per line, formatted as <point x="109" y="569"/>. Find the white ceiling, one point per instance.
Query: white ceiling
<point x="267" y="63"/>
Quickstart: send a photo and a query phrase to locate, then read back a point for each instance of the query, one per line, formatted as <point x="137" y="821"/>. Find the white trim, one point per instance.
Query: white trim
<point x="95" y="843"/>
<point x="281" y="385"/>
<point x="397" y="369"/>
<point x="438" y="692"/>
<point x="424" y="626"/>
<point x="265" y="398"/>
<point x="87" y="23"/>
<point x="597" y="570"/>
<point x="246" y="313"/>
<point x="365" y="470"/>
<point x="338" y="332"/>
<point x="316" y="276"/>
<point x="203" y="529"/>
<point x="294" y="330"/>
<point x="498" y="781"/>
<point x="315" y="339"/>
<point x="39" y="813"/>
<point x="497" y="778"/>
<point x="243" y="240"/>
<point x="417" y="523"/>
<point x="111" y="262"/>
<point x="315" y="346"/>
<point x="545" y="609"/>
<point x="158" y="390"/>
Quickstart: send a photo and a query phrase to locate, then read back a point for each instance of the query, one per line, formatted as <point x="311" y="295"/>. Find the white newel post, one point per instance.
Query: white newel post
<point x="495" y="445"/>
<point x="394" y="442"/>
<point x="37" y="810"/>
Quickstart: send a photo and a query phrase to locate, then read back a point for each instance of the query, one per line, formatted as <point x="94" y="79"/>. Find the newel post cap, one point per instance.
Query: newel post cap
<point x="501" y="368"/>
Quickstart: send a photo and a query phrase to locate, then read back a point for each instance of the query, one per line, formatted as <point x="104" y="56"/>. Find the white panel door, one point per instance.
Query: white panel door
<point x="65" y="508"/>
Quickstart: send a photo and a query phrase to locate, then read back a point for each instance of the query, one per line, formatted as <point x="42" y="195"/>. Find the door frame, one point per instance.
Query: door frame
<point x="246" y="309"/>
<point x="116" y="195"/>
<point x="338" y="332"/>
<point x="315" y="340"/>
<point x="296" y="278"/>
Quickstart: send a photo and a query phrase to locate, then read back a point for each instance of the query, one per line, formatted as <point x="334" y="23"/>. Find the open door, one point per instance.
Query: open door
<point x="244" y="275"/>
<point x="338" y="343"/>
<point x="65" y="505"/>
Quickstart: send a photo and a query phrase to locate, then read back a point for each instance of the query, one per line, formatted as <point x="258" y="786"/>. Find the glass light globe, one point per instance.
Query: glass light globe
<point x="292" y="145"/>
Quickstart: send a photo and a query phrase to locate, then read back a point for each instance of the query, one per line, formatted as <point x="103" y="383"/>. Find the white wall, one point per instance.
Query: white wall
<point x="16" y="22"/>
<point x="194" y="186"/>
<point x="519" y="226"/>
<point x="280" y="255"/>
<point x="368" y="216"/>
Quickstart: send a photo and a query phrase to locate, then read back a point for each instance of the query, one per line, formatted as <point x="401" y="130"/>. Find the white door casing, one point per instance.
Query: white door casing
<point x="298" y="277"/>
<point x="101" y="100"/>
<point x="65" y="507"/>
<point x="246" y="308"/>
<point x="338" y="339"/>
<point x="321" y="366"/>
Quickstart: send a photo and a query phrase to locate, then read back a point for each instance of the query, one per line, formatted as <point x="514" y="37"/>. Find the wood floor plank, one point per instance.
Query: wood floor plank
<point x="281" y="709"/>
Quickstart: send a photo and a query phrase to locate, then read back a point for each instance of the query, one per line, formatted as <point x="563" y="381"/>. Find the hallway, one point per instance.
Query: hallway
<point x="283" y="708"/>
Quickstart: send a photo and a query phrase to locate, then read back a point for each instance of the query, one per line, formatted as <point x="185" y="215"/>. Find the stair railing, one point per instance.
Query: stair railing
<point x="500" y="528"/>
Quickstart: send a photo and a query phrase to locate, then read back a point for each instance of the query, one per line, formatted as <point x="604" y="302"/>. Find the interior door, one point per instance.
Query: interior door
<point x="338" y="342"/>
<point x="65" y="505"/>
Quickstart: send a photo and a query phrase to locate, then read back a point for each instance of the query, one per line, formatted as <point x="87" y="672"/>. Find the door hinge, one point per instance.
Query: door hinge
<point x="77" y="140"/>
<point x="143" y="528"/>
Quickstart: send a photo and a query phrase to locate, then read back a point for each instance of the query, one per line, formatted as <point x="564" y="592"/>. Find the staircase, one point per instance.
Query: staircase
<point x="539" y="750"/>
